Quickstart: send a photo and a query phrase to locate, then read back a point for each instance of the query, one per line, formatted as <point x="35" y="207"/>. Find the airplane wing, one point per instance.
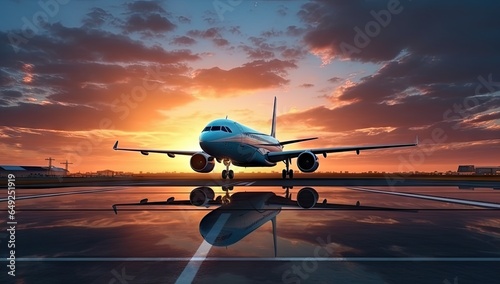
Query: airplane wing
<point x="170" y="153"/>
<point x="171" y="201"/>
<point x="281" y="156"/>
<point x="288" y="202"/>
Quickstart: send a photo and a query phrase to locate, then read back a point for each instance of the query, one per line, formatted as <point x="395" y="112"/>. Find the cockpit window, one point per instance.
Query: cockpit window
<point x="217" y="128"/>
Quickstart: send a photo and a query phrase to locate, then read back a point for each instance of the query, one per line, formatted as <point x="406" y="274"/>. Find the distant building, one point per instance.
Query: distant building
<point x="106" y="173"/>
<point x="482" y="170"/>
<point x="111" y="173"/>
<point x="488" y="170"/>
<point x="466" y="170"/>
<point x="31" y="171"/>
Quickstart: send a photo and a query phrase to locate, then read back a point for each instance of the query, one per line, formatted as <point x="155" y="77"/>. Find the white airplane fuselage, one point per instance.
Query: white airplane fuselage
<point x="243" y="146"/>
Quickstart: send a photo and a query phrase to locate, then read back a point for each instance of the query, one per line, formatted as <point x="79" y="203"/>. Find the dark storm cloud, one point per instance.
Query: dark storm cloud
<point x="334" y="80"/>
<point x="294" y="53"/>
<point x="85" y="75"/>
<point x="97" y="17"/>
<point x="214" y="34"/>
<point x="90" y="72"/>
<point x="487" y="117"/>
<point x="122" y="111"/>
<point x="263" y="48"/>
<point x="415" y="111"/>
<point x="221" y="42"/>
<point x="440" y="65"/>
<point x="5" y="78"/>
<point x="145" y="7"/>
<point x="11" y="94"/>
<point x="51" y="116"/>
<point x="148" y="18"/>
<point x="294" y="31"/>
<point x="71" y="44"/>
<point x="183" y="40"/>
<point x="154" y="23"/>
<point x="422" y="27"/>
<point x="208" y="33"/>
<point x="258" y="74"/>
<point x="257" y="53"/>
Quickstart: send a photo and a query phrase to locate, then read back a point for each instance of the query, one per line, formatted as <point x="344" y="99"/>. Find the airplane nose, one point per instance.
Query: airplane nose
<point x="203" y="138"/>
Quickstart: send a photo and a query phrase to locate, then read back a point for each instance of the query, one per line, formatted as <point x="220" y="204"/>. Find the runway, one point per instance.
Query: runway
<point x="391" y="181"/>
<point x="80" y="240"/>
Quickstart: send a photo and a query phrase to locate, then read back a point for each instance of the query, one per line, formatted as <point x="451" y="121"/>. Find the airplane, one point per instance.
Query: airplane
<point x="234" y="143"/>
<point x="244" y="212"/>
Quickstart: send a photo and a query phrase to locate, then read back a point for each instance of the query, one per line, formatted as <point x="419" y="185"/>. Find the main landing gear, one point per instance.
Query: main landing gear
<point x="287" y="171"/>
<point x="227" y="173"/>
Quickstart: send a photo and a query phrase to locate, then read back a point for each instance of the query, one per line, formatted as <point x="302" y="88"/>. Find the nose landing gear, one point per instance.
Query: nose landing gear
<point x="227" y="173"/>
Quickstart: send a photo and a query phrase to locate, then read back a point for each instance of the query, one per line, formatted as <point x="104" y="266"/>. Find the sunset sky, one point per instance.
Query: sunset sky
<point x="75" y="76"/>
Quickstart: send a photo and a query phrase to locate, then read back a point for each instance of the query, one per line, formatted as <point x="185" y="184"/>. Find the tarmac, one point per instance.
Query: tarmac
<point x="390" y="180"/>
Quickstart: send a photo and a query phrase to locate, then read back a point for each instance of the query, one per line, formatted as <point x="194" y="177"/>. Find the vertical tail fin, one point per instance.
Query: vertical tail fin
<point x="273" y="126"/>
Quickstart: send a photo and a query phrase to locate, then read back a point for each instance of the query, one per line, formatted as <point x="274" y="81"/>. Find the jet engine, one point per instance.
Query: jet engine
<point x="201" y="196"/>
<point x="202" y="162"/>
<point x="307" y="162"/>
<point x="307" y="197"/>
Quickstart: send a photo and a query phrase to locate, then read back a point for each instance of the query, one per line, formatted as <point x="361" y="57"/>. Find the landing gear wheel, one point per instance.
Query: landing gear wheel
<point x="287" y="171"/>
<point x="227" y="173"/>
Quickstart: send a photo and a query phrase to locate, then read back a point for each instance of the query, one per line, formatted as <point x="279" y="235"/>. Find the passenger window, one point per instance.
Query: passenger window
<point x="215" y="128"/>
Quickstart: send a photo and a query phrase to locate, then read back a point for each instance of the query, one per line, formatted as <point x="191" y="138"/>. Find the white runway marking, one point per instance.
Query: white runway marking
<point x="245" y="183"/>
<point x="59" y="194"/>
<point x="195" y="262"/>
<point x="431" y="197"/>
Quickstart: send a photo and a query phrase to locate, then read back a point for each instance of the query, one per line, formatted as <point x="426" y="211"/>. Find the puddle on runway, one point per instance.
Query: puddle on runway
<point x="69" y="227"/>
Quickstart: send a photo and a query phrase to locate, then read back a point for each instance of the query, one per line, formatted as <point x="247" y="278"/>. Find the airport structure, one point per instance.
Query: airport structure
<point x="482" y="170"/>
<point x="31" y="171"/>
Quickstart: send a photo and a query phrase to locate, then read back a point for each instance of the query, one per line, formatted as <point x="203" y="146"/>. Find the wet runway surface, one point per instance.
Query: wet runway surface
<point x="71" y="235"/>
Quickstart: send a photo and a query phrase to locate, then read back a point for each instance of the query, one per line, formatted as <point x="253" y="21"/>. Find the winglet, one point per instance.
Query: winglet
<point x="114" y="209"/>
<point x="416" y="140"/>
<point x="273" y="126"/>
<point x="116" y="145"/>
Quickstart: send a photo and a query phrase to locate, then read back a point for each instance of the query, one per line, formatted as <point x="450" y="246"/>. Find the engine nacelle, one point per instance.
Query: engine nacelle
<point x="307" y="197"/>
<point x="307" y="162"/>
<point x="201" y="196"/>
<point x="202" y="162"/>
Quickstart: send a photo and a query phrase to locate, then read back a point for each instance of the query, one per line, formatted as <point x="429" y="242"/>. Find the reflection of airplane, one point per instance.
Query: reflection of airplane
<point x="244" y="212"/>
<point x="231" y="142"/>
